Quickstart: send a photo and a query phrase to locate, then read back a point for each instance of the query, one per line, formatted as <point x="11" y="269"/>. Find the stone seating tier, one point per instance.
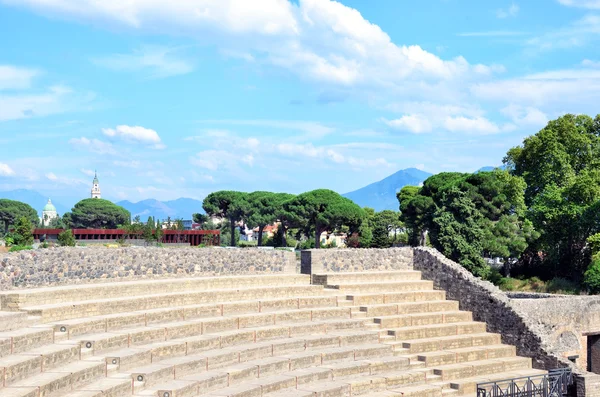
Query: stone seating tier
<point x="346" y="334"/>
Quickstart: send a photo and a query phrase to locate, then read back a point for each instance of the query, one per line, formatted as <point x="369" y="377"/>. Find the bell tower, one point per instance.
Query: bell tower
<point x="96" y="187"/>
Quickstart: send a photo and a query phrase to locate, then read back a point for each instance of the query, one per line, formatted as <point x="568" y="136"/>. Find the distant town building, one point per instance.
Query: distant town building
<point x="96" y="187"/>
<point x="48" y="213"/>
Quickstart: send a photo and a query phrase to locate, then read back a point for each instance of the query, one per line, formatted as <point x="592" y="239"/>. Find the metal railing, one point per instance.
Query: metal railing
<point x="553" y="384"/>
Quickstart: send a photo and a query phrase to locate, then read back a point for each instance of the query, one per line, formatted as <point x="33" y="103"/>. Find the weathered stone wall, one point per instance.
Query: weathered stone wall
<point x="489" y="304"/>
<point x="355" y="260"/>
<point x="62" y="266"/>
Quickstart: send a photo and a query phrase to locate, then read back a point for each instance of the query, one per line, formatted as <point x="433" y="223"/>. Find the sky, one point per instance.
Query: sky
<point x="185" y="97"/>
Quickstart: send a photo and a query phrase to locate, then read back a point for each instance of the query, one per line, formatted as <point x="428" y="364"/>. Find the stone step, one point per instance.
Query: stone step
<point x="392" y="309"/>
<point x="454" y="356"/>
<point x="98" y="307"/>
<point x="419" y="391"/>
<point x="105" y="387"/>
<point x="416" y="319"/>
<point x="390" y="286"/>
<point x="451" y="342"/>
<point x="437" y="330"/>
<point x="343" y="278"/>
<point x="361" y="299"/>
<point x="13" y="320"/>
<point x="481" y="368"/>
<point x="19" y="366"/>
<point x="66" y="378"/>
<point x="14" y="300"/>
<point x="468" y="386"/>
<point x="113" y="322"/>
<point x="23" y="339"/>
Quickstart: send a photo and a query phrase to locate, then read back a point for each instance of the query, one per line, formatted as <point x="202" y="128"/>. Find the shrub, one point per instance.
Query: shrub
<point x="23" y="232"/>
<point x="591" y="278"/>
<point x="16" y="248"/>
<point x="560" y="285"/>
<point x="246" y="244"/>
<point x="66" y="239"/>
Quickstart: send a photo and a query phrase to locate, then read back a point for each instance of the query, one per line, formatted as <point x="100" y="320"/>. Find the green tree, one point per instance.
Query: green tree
<point x="23" y="234"/>
<point x="561" y="166"/>
<point x="158" y="234"/>
<point x="200" y="219"/>
<point x="227" y="204"/>
<point x="11" y="211"/>
<point x="66" y="238"/>
<point x="265" y="208"/>
<point x="325" y="210"/>
<point x="147" y="230"/>
<point x="381" y="236"/>
<point x="97" y="214"/>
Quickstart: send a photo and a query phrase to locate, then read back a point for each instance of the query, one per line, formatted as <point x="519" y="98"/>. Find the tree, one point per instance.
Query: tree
<point x="158" y="234"/>
<point x="561" y="166"/>
<point x="381" y="236"/>
<point x="469" y="216"/>
<point x="66" y="238"/>
<point x="264" y="208"/>
<point x="325" y="210"/>
<point x="23" y="234"/>
<point x="97" y="214"/>
<point x="286" y="219"/>
<point x="227" y="204"/>
<point x="11" y="211"/>
<point x="147" y="230"/>
<point x="200" y="218"/>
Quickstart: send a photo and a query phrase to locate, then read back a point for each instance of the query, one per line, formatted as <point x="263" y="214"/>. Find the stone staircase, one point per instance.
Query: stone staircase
<point x="346" y="334"/>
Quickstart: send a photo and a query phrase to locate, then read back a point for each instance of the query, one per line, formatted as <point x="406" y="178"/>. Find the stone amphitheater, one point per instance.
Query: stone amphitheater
<point x="246" y="323"/>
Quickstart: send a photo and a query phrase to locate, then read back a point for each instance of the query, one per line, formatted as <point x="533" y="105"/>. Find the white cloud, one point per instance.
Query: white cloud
<point x="87" y="172"/>
<point x="321" y="40"/>
<point x="135" y="134"/>
<point x="51" y="176"/>
<point x="477" y="125"/>
<point x="416" y="124"/>
<point x="493" y="33"/>
<point x="12" y="77"/>
<point x="420" y="166"/>
<point x="54" y="100"/>
<point x="93" y="145"/>
<point x="127" y="164"/>
<point x="528" y="116"/>
<point x="248" y="159"/>
<point x="590" y="4"/>
<point x="511" y="11"/>
<point x="590" y="64"/>
<point x="576" y="34"/>
<point x="153" y="61"/>
<point x="313" y="129"/>
<point x="5" y="170"/>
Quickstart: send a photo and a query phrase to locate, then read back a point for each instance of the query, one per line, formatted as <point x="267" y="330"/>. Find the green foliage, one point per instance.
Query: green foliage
<point x="594" y="243"/>
<point x="23" y="234"/>
<point x="591" y="278"/>
<point x="324" y="210"/>
<point x="381" y="237"/>
<point x="469" y="216"/>
<point x="96" y="214"/>
<point x="246" y="244"/>
<point x="16" y="248"/>
<point x="66" y="239"/>
<point x="561" y="166"/>
<point x="158" y="233"/>
<point x="11" y="211"/>
<point x="227" y="204"/>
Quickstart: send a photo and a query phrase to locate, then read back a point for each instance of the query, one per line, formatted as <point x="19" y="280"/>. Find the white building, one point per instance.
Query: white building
<point x="96" y="188"/>
<point x="48" y="213"/>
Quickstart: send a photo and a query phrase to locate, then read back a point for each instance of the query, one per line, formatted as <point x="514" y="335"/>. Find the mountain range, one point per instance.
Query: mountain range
<point x="382" y="195"/>
<point x="379" y="195"/>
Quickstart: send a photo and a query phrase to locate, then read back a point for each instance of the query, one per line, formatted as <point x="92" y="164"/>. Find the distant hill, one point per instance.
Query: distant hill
<point x="180" y="208"/>
<point x="382" y="195"/>
<point x="491" y="168"/>
<point x="34" y="199"/>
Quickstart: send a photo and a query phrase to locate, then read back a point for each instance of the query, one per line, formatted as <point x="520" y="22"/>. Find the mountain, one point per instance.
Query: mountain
<point x="382" y="195"/>
<point x="491" y="168"/>
<point x="181" y="208"/>
<point x="34" y="199"/>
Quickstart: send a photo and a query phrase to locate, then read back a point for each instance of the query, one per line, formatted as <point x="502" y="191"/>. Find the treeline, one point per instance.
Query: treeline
<point x="306" y="215"/>
<point x="541" y="214"/>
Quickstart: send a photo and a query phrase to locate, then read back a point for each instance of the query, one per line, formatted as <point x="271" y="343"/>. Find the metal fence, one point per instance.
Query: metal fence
<point x="553" y="384"/>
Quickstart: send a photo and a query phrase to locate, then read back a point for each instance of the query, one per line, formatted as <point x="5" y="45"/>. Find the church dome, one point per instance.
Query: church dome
<point x="49" y="207"/>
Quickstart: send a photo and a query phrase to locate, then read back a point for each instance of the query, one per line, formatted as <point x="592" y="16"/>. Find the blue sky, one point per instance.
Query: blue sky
<point x="181" y="98"/>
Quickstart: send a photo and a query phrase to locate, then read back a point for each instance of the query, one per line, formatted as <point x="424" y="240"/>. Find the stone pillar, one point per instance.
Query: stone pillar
<point x="587" y="385"/>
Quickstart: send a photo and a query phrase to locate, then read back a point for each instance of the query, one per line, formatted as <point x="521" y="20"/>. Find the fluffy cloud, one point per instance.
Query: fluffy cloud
<point x="511" y="11"/>
<point x="416" y="124"/>
<point x="154" y="61"/>
<point x="12" y="77"/>
<point x="528" y="116"/>
<point x="5" y="170"/>
<point x="477" y="125"/>
<point x="590" y="4"/>
<point x="135" y="134"/>
<point x="93" y="145"/>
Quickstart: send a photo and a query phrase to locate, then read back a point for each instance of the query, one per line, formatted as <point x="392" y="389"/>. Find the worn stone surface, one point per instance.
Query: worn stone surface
<point x="355" y="260"/>
<point x="61" y="266"/>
